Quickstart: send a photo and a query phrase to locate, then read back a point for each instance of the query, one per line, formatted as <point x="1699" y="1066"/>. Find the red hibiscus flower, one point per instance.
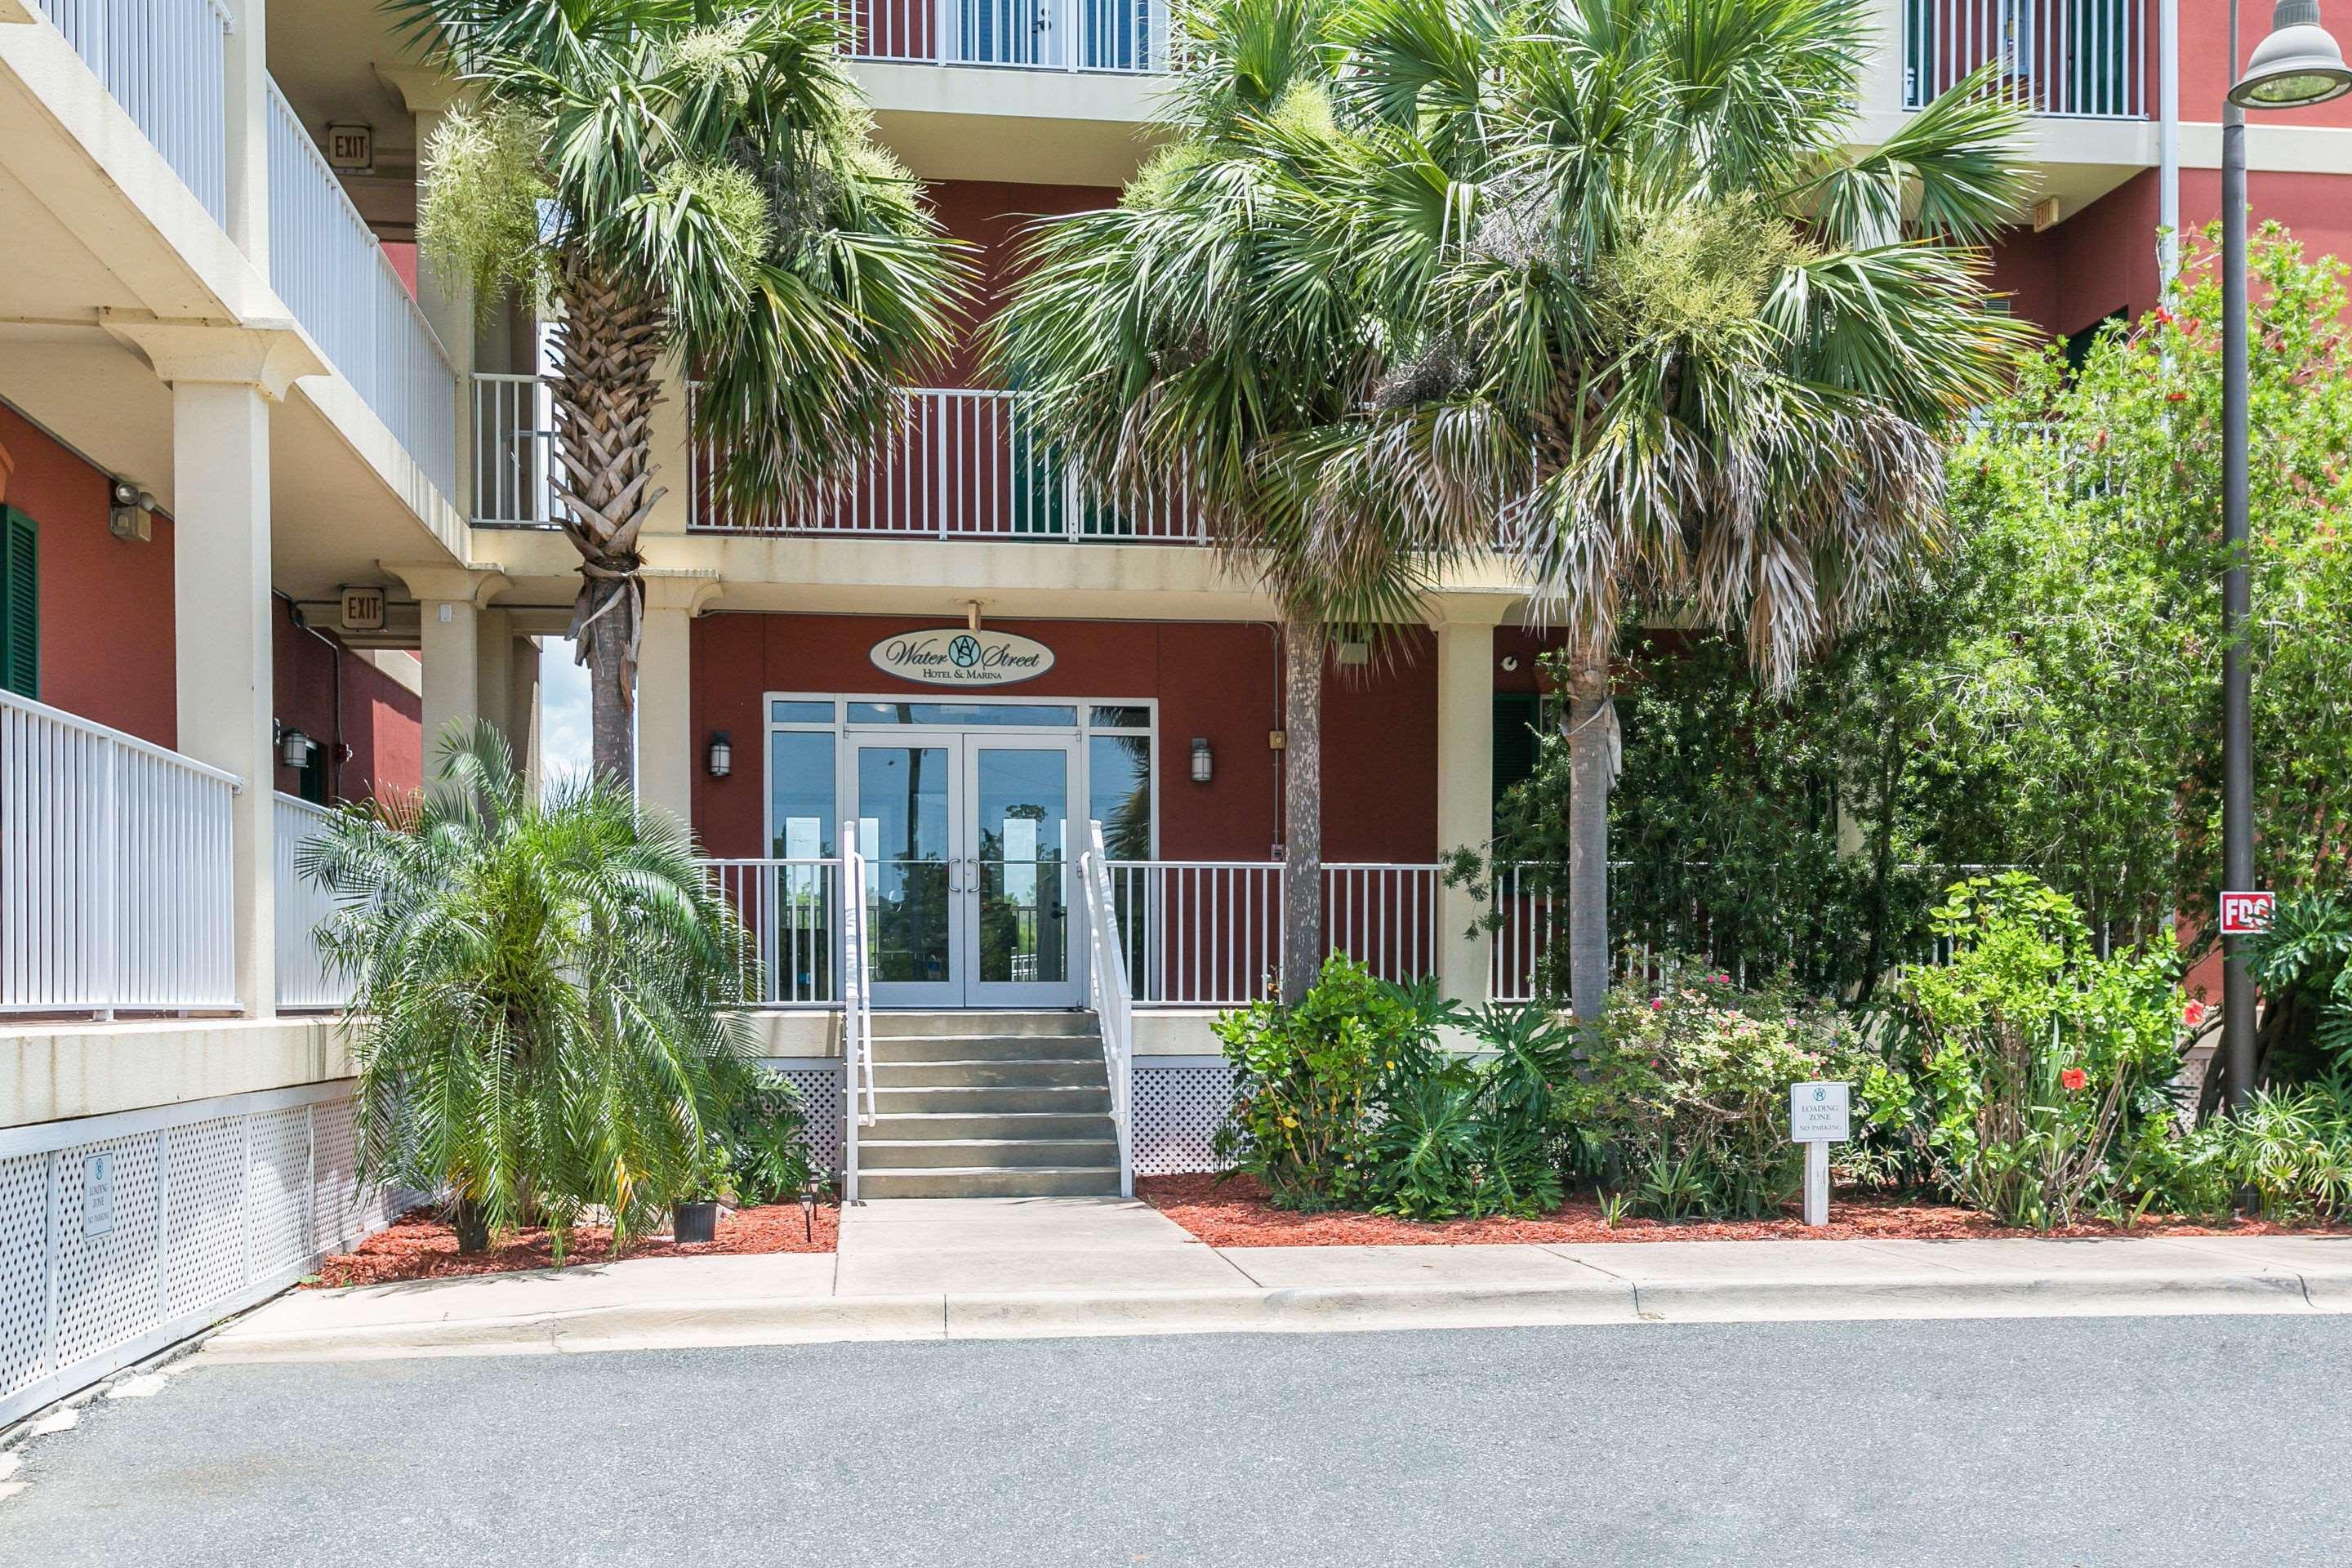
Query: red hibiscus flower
<point x="2193" y="1014"/>
<point x="2074" y="1078"/>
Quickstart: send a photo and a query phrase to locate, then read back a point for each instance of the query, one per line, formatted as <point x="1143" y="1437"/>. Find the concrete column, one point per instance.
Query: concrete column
<point x="522" y="712"/>
<point x="244" y="93"/>
<point x="224" y="380"/>
<point x="667" y="749"/>
<point x="1466" y="780"/>
<point x="494" y="670"/>
<point x="450" y="616"/>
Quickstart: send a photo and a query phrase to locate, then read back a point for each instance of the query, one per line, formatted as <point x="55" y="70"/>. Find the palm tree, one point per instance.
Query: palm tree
<point x="548" y="998"/>
<point x="1647" y="309"/>
<point x="1192" y="339"/>
<point x="680" y="177"/>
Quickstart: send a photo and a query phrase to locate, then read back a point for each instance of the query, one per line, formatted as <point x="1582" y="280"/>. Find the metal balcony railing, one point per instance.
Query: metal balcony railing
<point x="164" y="61"/>
<point x="325" y="263"/>
<point x="2067" y="58"/>
<point x="1118" y="35"/>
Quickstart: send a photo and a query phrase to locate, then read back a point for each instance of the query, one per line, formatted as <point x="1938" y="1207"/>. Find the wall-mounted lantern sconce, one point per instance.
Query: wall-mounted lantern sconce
<point x="722" y="755"/>
<point x="1204" y="764"/>
<point x="294" y="749"/>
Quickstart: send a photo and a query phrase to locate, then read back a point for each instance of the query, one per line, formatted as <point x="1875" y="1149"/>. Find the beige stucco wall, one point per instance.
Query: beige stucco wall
<point x="52" y="1071"/>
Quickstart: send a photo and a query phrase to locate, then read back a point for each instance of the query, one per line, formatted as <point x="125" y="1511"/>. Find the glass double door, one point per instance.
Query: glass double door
<point x="969" y="854"/>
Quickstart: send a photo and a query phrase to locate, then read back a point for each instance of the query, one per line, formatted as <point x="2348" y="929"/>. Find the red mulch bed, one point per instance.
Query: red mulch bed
<point x="1236" y="1213"/>
<point x="421" y="1245"/>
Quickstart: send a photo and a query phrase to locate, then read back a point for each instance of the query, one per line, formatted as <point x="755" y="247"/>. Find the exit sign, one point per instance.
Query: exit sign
<point x="351" y="149"/>
<point x="363" y="609"/>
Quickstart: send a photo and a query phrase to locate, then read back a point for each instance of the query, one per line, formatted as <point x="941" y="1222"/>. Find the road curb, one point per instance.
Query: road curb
<point x="1300" y="1309"/>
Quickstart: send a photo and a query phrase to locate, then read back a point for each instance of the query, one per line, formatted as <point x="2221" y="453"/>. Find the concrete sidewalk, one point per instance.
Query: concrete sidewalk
<point x="952" y="1269"/>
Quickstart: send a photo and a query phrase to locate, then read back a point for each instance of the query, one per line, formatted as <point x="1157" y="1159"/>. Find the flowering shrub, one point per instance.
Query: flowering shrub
<point x="1688" y="1091"/>
<point x="2042" y="1070"/>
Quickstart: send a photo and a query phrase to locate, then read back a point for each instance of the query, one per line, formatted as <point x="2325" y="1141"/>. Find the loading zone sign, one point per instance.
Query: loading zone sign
<point x="1817" y="1114"/>
<point x="958" y="656"/>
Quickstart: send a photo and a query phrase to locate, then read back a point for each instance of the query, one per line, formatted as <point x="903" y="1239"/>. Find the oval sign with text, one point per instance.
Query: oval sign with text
<point x="956" y="655"/>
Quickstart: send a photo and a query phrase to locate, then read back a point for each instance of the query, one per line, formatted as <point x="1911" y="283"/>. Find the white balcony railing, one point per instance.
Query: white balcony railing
<point x="1122" y="35"/>
<point x="514" y="451"/>
<point x="164" y="62"/>
<point x="963" y="463"/>
<point x="2078" y="59"/>
<point x="793" y="910"/>
<point x="325" y="263"/>
<point x="304" y="979"/>
<point x="115" y="871"/>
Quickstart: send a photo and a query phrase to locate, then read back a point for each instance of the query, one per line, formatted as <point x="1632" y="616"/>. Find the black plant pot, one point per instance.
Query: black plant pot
<point x="472" y="1224"/>
<point x="694" y="1223"/>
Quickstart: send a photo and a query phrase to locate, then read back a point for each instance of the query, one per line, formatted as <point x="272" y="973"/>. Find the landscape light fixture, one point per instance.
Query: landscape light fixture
<point x="2297" y="66"/>
<point x="721" y="761"/>
<point x="808" y="1211"/>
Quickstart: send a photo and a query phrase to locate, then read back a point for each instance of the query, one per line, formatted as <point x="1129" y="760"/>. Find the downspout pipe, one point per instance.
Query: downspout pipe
<point x="2167" y="142"/>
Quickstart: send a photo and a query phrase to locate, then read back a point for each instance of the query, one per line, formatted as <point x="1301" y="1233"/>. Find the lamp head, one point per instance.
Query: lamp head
<point x="2300" y="64"/>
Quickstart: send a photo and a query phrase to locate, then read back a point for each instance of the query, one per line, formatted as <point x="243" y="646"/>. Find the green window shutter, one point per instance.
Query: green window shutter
<point x="1516" y="715"/>
<point x="20" y="604"/>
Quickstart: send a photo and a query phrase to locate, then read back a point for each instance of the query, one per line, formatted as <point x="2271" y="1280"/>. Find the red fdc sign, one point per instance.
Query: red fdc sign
<point x="2247" y="914"/>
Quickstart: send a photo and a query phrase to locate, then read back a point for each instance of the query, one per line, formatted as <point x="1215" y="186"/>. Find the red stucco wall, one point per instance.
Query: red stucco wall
<point x="381" y="719"/>
<point x="107" y="627"/>
<point x="991" y="215"/>
<point x="1217" y="681"/>
<point x="106" y="602"/>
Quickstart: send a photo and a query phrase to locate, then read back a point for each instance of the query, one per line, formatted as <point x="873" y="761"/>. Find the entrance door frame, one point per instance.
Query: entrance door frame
<point x="849" y="733"/>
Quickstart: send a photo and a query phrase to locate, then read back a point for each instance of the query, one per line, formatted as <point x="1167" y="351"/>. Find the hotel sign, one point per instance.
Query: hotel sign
<point x="953" y="655"/>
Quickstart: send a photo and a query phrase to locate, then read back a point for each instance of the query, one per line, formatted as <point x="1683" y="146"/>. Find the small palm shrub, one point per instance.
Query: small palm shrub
<point x="766" y="1141"/>
<point x="2288" y="1155"/>
<point x="2044" y="1071"/>
<point x="1346" y="1101"/>
<point x="1686" y="1092"/>
<point x="547" y="996"/>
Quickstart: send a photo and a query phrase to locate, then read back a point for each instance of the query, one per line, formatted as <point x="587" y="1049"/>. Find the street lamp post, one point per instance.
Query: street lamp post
<point x="2299" y="64"/>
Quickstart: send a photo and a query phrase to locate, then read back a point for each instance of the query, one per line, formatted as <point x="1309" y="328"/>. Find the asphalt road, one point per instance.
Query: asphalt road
<point x="2101" y="1442"/>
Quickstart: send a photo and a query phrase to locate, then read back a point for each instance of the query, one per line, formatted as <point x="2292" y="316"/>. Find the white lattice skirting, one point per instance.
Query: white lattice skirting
<point x="121" y="1233"/>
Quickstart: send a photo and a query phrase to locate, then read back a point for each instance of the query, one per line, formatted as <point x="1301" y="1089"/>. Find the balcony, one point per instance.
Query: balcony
<point x="164" y="62"/>
<point x="960" y="463"/>
<point x="1129" y="36"/>
<point x="2078" y="59"/>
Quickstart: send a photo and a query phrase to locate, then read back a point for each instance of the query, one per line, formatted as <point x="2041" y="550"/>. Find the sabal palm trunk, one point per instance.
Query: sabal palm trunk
<point x="1588" y="732"/>
<point x="1302" y="805"/>
<point x="606" y="352"/>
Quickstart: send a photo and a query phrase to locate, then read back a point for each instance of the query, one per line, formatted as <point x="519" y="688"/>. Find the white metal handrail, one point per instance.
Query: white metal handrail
<point x="327" y="265"/>
<point x="304" y="978"/>
<point x="2070" y="59"/>
<point x="858" y="1006"/>
<point x="166" y="62"/>
<point x="1114" y="999"/>
<point x="792" y="908"/>
<point x="1124" y="36"/>
<point x="961" y="463"/>
<point x="117" y="890"/>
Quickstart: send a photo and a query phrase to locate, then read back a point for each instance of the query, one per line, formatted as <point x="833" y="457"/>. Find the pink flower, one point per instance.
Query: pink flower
<point x="2073" y="1078"/>
<point x="2193" y="1014"/>
<point x="1657" y="1004"/>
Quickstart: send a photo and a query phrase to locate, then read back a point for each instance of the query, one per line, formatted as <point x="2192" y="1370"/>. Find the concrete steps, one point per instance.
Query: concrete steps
<point x="988" y="1105"/>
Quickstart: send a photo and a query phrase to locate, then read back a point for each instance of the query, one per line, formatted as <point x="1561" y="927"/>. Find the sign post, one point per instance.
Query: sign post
<point x="1818" y="1117"/>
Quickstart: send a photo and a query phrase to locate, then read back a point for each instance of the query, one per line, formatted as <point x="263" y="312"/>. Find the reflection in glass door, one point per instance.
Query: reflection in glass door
<point x="1021" y="860"/>
<point x="905" y="828"/>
